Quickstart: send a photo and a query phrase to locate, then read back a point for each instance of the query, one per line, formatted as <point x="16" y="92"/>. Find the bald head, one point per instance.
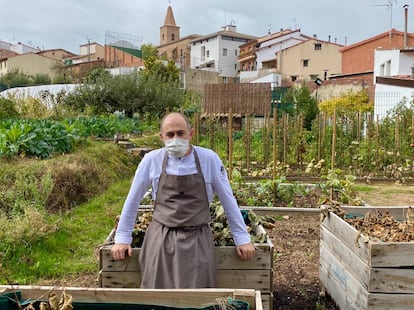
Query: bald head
<point x="175" y="117"/>
<point x="175" y="125"/>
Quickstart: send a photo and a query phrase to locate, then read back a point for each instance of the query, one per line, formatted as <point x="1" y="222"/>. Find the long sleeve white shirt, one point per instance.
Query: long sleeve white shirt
<point x="215" y="177"/>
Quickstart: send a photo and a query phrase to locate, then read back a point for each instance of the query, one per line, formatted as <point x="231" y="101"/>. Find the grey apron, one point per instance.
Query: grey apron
<point x="178" y="250"/>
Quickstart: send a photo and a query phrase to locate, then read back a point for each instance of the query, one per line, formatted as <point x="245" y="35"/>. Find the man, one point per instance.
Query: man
<point x="178" y="250"/>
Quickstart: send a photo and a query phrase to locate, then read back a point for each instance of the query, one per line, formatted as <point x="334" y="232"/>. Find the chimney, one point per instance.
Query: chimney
<point x="405" y="24"/>
<point x="329" y="38"/>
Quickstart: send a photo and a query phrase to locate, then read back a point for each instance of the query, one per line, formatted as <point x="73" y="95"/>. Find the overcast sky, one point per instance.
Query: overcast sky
<point x="50" y="24"/>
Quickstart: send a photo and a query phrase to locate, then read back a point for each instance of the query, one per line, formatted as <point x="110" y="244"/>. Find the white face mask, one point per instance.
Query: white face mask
<point x="177" y="147"/>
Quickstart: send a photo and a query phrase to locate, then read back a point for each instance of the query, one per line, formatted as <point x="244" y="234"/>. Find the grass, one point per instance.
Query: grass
<point x="73" y="247"/>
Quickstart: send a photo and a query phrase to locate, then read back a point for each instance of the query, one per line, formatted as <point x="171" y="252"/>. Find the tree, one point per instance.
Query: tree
<point x="304" y="104"/>
<point x="162" y="69"/>
<point x="349" y="101"/>
<point x="148" y="50"/>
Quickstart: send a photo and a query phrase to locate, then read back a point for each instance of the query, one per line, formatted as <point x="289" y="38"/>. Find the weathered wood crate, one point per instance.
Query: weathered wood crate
<point x="361" y="274"/>
<point x="179" y="298"/>
<point x="232" y="272"/>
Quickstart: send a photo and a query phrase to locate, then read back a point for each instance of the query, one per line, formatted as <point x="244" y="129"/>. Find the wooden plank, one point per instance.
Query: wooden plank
<point x="167" y="297"/>
<point x="390" y="301"/>
<point x="251" y="279"/>
<point x="357" y="267"/>
<point x="130" y="279"/>
<point x="399" y="213"/>
<point x="259" y="303"/>
<point x="347" y="234"/>
<point x="392" y="254"/>
<point x="226" y="258"/>
<point x="240" y="279"/>
<point x="392" y="280"/>
<point x="271" y="211"/>
<point x="343" y="288"/>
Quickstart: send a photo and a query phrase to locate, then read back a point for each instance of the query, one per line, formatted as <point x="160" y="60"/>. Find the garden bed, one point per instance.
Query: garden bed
<point x="232" y="272"/>
<point x="14" y="297"/>
<point x="362" y="272"/>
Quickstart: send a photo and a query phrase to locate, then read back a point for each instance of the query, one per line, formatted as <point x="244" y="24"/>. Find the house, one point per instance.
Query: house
<point x="30" y="63"/>
<point x="172" y="46"/>
<point x="394" y="79"/>
<point x="219" y="51"/>
<point x="57" y="54"/>
<point x="271" y="44"/>
<point x="18" y="48"/>
<point x="309" y="60"/>
<point x="359" y="57"/>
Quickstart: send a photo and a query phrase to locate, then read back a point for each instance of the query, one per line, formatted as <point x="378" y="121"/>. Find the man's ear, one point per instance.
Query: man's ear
<point x="191" y="132"/>
<point x="161" y="136"/>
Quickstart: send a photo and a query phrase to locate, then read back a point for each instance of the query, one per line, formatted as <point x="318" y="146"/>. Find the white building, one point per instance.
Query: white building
<point x="393" y="79"/>
<point x="271" y="44"/>
<point x="218" y="51"/>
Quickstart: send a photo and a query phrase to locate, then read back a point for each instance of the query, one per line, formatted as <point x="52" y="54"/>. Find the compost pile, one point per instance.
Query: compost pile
<point x="381" y="225"/>
<point x="219" y="225"/>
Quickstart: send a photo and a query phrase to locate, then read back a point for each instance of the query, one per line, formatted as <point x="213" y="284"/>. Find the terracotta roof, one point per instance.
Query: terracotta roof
<point x="276" y="35"/>
<point x="4" y="54"/>
<point x="379" y="36"/>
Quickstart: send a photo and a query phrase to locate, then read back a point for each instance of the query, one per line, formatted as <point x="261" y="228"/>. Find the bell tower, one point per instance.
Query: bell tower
<point x="169" y="32"/>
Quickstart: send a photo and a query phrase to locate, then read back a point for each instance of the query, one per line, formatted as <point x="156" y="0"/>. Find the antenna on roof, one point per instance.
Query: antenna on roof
<point x="389" y="6"/>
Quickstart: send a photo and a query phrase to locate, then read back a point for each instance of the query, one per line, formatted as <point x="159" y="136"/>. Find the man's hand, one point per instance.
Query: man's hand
<point x="246" y="251"/>
<point x="121" y="250"/>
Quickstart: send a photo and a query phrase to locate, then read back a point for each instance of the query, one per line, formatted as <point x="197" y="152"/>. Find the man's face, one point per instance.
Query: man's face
<point x="175" y="126"/>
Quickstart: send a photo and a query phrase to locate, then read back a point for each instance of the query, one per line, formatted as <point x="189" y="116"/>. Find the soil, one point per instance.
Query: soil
<point x="296" y="281"/>
<point x="296" y="244"/>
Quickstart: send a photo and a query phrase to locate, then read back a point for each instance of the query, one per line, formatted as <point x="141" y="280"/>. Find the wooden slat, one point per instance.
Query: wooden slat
<point x="358" y="268"/>
<point x="347" y="234"/>
<point x="392" y="280"/>
<point x="399" y="213"/>
<point x="226" y="258"/>
<point x="172" y="297"/>
<point x="344" y="289"/>
<point x="240" y="279"/>
<point x="390" y="301"/>
<point x="392" y="254"/>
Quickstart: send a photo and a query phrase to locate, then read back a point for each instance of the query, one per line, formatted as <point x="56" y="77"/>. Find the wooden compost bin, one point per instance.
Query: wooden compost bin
<point x="232" y="272"/>
<point x="360" y="274"/>
<point x="183" y="298"/>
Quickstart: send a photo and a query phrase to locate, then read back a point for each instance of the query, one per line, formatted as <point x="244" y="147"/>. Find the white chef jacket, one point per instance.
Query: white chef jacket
<point x="215" y="177"/>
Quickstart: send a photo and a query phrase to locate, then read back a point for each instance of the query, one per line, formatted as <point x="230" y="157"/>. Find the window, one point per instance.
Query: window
<point x="235" y="52"/>
<point x="387" y="71"/>
<point x="208" y="53"/>
<point x="203" y="53"/>
<point x="382" y="70"/>
<point x="172" y="37"/>
<point x="224" y="51"/>
<point x="305" y="62"/>
<point x="293" y="77"/>
<point x="318" y="46"/>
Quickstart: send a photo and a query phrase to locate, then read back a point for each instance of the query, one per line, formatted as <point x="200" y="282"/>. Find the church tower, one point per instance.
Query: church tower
<point x="169" y="32"/>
